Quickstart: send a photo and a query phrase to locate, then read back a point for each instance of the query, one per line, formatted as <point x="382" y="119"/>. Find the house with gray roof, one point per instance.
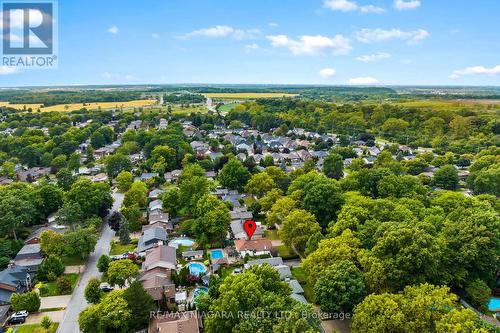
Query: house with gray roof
<point x="14" y="279"/>
<point x="30" y="256"/>
<point x="150" y="238"/>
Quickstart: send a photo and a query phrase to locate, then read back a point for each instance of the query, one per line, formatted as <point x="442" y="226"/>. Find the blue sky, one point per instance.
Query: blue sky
<point x="337" y="42"/>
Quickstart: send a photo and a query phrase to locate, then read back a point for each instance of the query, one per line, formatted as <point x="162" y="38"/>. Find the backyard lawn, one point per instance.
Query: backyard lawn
<point x="73" y="260"/>
<point x="50" y="288"/>
<point x="117" y="248"/>
<point x="36" y="328"/>
<point x="299" y="274"/>
<point x="285" y="252"/>
<point x="271" y="234"/>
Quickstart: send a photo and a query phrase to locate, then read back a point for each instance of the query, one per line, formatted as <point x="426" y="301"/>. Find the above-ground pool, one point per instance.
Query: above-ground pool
<point x="183" y="241"/>
<point x="216" y="254"/>
<point x="199" y="291"/>
<point x="195" y="268"/>
<point x="494" y="304"/>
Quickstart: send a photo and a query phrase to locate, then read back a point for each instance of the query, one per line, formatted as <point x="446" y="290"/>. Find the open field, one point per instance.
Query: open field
<point x="78" y="106"/>
<point x="248" y="95"/>
<point x="188" y="110"/>
<point x="447" y="104"/>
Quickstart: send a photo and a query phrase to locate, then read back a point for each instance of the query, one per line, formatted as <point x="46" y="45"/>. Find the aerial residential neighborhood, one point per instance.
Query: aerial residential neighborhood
<point x="228" y="166"/>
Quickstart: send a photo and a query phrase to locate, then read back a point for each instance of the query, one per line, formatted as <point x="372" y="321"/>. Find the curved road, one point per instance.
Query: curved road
<point x="69" y="323"/>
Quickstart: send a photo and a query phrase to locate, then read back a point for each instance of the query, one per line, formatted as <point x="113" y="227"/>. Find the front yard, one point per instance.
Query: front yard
<point x="73" y="260"/>
<point x="36" y="328"/>
<point x="117" y="248"/>
<point x="299" y="274"/>
<point x="50" y="288"/>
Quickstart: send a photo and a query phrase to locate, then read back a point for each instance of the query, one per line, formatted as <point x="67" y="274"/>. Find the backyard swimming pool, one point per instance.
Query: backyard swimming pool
<point x="195" y="268"/>
<point x="199" y="291"/>
<point x="494" y="304"/>
<point x="216" y="254"/>
<point x="183" y="241"/>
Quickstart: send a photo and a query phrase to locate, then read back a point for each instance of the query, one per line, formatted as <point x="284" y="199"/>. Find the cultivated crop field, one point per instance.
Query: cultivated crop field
<point x="248" y="95"/>
<point x="78" y="106"/>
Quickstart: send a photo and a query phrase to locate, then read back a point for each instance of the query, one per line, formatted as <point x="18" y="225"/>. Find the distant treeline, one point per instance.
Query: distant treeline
<point x="183" y="98"/>
<point x="67" y="97"/>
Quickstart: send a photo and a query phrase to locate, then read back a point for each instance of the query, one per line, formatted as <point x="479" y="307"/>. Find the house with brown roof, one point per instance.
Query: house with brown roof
<point x="255" y="247"/>
<point x="181" y="322"/>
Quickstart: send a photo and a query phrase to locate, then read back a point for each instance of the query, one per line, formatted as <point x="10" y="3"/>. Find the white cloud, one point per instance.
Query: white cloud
<point x="476" y="70"/>
<point x="155" y="35"/>
<point x="6" y="70"/>
<point x="372" y="9"/>
<point x="118" y="77"/>
<point x="252" y="46"/>
<point x="312" y="45"/>
<point x="350" y="6"/>
<point x="373" y="57"/>
<point x="342" y="5"/>
<point x="406" y="5"/>
<point x="273" y="24"/>
<point x="364" y="81"/>
<point x="113" y="29"/>
<point x="220" y="31"/>
<point x="327" y="72"/>
<point x="380" y="35"/>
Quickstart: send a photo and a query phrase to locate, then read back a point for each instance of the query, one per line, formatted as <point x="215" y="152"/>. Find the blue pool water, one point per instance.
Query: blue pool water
<point x="184" y="241"/>
<point x="216" y="254"/>
<point x="195" y="268"/>
<point x="494" y="304"/>
<point x="199" y="291"/>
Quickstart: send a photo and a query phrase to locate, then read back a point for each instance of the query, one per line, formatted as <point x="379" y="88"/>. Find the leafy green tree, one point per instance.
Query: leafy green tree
<point x="324" y="200"/>
<point x="63" y="285"/>
<point x="340" y="288"/>
<point x="117" y="163"/>
<point x="50" y="243"/>
<point x="133" y="215"/>
<point x="15" y="212"/>
<point x="50" y="268"/>
<point x="478" y="294"/>
<point x="93" y="198"/>
<point x="313" y="242"/>
<point x="121" y="272"/>
<point x="172" y="201"/>
<point x="234" y="175"/>
<point x="136" y="195"/>
<point x="59" y="162"/>
<point x="124" y="232"/>
<point x="70" y="215"/>
<point x="165" y="154"/>
<point x="297" y="228"/>
<point x="280" y="210"/>
<point x="51" y="198"/>
<point x="74" y="162"/>
<point x="112" y="314"/>
<point x="64" y="179"/>
<point x="140" y="304"/>
<point x="333" y="166"/>
<point x="46" y="323"/>
<point x="267" y="201"/>
<point x="446" y="177"/>
<point x="331" y="250"/>
<point x="486" y="181"/>
<point x="124" y="181"/>
<point x="28" y="301"/>
<point x="400" y="187"/>
<point x="212" y="220"/>
<point x="418" y="309"/>
<point x="80" y="242"/>
<point x="191" y="190"/>
<point x="93" y="292"/>
<point x="260" y="184"/>
<point x="103" y="263"/>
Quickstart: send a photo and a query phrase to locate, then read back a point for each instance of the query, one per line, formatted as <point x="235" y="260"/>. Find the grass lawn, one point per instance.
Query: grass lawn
<point x="36" y="328"/>
<point x="299" y="274"/>
<point x="227" y="107"/>
<point x="73" y="260"/>
<point x="247" y="95"/>
<point x="271" y="234"/>
<point x="117" y="248"/>
<point x="285" y="253"/>
<point x="50" y="288"/>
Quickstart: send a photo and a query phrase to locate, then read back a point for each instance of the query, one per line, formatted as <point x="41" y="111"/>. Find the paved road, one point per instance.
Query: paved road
<point x="69" y="323"/>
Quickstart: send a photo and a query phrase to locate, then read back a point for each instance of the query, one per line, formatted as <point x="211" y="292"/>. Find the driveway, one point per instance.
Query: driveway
<point x="69" y="323"/>
<point x="55" y="302"/>
<point x="36" y="318"/>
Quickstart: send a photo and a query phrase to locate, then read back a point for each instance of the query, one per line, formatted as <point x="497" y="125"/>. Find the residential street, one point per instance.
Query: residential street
<point x="69" y="323"/>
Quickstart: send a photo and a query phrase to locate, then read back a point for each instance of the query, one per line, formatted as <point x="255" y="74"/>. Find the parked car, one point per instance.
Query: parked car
<point x="106" y="288"/>
<point x="18" y="317"/>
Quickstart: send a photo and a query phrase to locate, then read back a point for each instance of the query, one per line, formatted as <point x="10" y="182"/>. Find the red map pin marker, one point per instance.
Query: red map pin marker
<point x="249" y="227"/>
